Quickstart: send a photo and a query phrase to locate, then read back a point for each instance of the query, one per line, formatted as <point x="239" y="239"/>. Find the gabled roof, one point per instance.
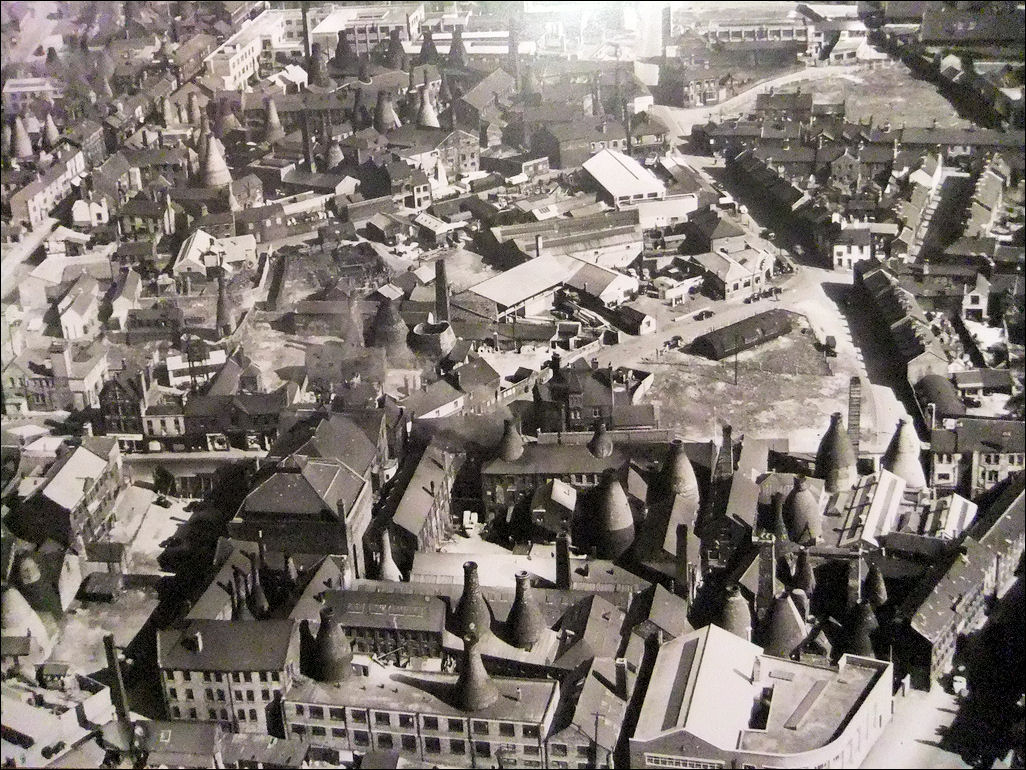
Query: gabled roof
<point x="259" y="645"/>
<point x="481" y="95"/>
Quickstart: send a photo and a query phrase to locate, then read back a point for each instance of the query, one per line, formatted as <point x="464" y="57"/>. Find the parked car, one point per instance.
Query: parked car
<point x="703" y="314"/>
<point x="675" y="341"/>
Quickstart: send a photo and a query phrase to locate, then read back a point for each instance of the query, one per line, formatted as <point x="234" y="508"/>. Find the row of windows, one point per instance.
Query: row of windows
<point x="217" y="676"/>
<point x="408" y="742"/>
<point x="386" y="719"/>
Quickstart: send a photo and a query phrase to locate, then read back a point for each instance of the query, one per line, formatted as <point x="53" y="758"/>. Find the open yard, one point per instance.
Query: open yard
<point x="887" y="94"/>
<point x="85" y="625"/>
<point x="784" y="388"/>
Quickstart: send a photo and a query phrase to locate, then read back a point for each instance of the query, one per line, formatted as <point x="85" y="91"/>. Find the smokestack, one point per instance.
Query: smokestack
<point x="475" y="690"/>
<point x="241" y="596"/>
<point x="513" y="53"/>
<point x="683" y="577"/>
<point x="472" y="610"/>
<point x="258" y="599"/>
<point x="767" y="589"/>
<point x="525" y="619"/>
<point x="621" y="678"/>
<point x="563" y="561"/>
<point x="308" y="155"/>
<point x="441" y="291"/>
<point x="118" y="693"/>
<point x="197" y="642"/>
<point x="306" y="35"/>
<point x="539" y="243"/>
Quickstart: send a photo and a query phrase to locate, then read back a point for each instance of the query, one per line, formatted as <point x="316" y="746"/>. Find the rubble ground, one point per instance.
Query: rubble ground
<point x="784" y="388"/>
<point x="887" y="94"/>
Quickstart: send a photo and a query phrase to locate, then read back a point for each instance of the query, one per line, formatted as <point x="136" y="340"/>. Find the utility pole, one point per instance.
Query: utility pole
<point x="737" y="341"/>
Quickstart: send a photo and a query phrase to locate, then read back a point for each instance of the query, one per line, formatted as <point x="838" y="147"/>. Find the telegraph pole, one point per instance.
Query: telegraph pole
<point x="737" y="341"/>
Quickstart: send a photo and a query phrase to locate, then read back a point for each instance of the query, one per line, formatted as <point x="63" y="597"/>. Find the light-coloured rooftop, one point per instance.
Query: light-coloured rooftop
<point x="621" y="175"/>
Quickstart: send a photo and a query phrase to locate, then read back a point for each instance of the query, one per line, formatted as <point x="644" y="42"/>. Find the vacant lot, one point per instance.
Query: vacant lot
<point x="784" y="388"/>
<point x="82" y="630"/>
<point x="887" y="94"/>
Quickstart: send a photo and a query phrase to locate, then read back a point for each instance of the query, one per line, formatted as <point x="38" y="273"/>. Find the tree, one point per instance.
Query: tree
<point x="163" y="480"/>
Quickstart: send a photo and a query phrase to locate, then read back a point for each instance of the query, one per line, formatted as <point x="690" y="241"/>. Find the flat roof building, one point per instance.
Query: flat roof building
<point x="769" y="712"/>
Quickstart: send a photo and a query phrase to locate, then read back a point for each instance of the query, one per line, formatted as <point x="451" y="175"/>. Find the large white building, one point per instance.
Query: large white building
<point x="625" y="181"/>
<point x="369" y="25"/>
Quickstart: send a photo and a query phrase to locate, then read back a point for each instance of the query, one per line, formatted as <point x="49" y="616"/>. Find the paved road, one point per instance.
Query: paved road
<point x="35" y="28"/>
<point x="15" y="254"/>
<point x="680" y="120"/>
<point x="912" y="738"/>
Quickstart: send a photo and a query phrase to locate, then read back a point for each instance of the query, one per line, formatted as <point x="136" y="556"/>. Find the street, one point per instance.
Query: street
<point x="913" y="737"/>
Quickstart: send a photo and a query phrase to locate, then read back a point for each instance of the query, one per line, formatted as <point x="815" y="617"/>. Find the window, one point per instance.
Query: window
<point x="481" y="728"/>
<point x="263" y="676"/>
<point x="430" y="723"/>
<point x="338" y="732"/>
<point x="248" y="676"/>
<point x="337" y="715"/>
<point x="385" y="741"/>
<point x="318" y="731"/>
<point x="482" y="748"/>
<point x="265" y="694"/>
<point x="557" y="749"/>
<point x="172" y="693"/>
<point x="506" y="729"/>
<point x="432" y="745"/>
<point x="530" y="731"/>
<point x="360" y="717"/>
<point x="209" y="693"/>
<point x="455" y="725"/>
<point x="361" y="737"/>
<point x="187" y="676"/>
<point x="458" y="746"/>
<point x="189" y="695"/>
<point x="252" y="715"/>
<point x="382" y="719"/>
<point x="218" y="677"/>
<point x="532" y="750"/>
<point x="224" y="714"/>
<point x="206" y="674"/>
<point x="212" y="714"/>
<point x="317" y="712"/>
<point x="584" y="751"/>
<point x="409" y="742"/>
<point x="176" y="712"/>
<point x="299" y="729"/>
<point x="192" y="714"/>
<point x="249" y="697"/>
<point x="220" y="694"/>
<point x="236" y="677"/>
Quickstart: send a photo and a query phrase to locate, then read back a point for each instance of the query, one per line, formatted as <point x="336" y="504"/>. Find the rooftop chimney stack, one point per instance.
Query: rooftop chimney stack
<point x="308" y="155"/>
<point x="767" y="586"/>
<point x="563" y="561"/>
<point x="118" y="693"/>
<point x="441" y="292"/>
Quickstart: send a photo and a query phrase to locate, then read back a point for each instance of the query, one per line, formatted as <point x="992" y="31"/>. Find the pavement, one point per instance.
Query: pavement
<point x="913" y="737"/>
<point x="35" y="28"/>
<point x="12" y="267"/>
